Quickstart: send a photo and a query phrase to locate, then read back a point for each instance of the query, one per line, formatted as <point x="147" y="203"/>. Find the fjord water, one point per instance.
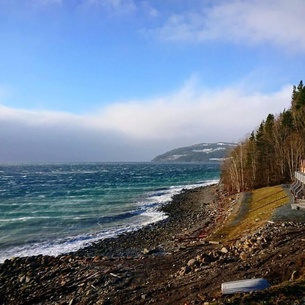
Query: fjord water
<point x="56" y="208"/>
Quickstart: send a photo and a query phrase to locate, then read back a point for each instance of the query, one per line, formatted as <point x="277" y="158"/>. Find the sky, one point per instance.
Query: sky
<point x="127" y="80"/>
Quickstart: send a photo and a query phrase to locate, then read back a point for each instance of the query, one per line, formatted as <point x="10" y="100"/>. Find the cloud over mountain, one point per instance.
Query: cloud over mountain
<point x="141" y="129"/>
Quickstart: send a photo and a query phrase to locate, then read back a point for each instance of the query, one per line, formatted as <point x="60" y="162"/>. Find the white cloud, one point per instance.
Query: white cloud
<point x="191" y="113"/>
<point x="279" y="22"/>
<point x="136" y="130"/>
<point x="35" y="118"/>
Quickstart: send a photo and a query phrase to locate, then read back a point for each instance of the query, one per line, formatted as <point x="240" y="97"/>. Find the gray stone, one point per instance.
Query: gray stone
<point x="192" y="262"/>
<point x="224" y="250"/>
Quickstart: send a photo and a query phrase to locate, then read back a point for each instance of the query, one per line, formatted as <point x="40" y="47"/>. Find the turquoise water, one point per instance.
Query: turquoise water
<point x="57" y="208"/>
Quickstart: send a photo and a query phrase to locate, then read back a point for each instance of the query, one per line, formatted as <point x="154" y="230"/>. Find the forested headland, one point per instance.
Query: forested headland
<point x="272" y="153"/>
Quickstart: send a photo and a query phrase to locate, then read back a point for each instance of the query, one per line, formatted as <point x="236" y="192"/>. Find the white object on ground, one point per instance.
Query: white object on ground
<point x="244" y="286"/>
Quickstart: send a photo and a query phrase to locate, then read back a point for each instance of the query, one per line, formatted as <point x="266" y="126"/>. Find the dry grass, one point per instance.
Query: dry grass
<point x="254" y="211"/>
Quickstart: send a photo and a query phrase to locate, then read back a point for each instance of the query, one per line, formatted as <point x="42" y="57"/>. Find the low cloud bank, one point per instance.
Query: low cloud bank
<point x="136" y="130"/>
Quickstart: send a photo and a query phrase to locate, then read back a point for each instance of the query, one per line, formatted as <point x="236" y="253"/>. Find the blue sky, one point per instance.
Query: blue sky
<point x="126" y="80"/>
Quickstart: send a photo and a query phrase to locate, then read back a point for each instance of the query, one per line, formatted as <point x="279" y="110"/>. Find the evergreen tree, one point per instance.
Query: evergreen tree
<point x="272" y="153"/>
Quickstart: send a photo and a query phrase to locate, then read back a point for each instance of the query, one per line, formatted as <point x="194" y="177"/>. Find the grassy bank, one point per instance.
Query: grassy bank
<point x="252" y="210"/>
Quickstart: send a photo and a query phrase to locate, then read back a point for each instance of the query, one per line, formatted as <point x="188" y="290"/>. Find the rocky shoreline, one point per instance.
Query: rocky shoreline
<point x="171" y="262"/>
<point x="26" y="280"/>
<point x="188" y="210"/>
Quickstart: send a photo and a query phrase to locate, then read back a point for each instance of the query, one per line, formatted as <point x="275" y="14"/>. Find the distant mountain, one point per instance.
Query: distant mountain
<point x="204" y="152"/>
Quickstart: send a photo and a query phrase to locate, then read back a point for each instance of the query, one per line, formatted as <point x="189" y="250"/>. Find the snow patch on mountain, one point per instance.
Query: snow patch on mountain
<point x="203" y="152"/>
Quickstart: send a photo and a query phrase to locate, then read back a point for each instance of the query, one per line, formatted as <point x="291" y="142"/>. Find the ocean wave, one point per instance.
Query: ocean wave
<point x="74" y="243"/>
<point x="56" y="214"/>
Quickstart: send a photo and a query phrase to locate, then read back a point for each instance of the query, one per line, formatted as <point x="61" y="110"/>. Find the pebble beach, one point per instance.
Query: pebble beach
<point x="174" y="261"/>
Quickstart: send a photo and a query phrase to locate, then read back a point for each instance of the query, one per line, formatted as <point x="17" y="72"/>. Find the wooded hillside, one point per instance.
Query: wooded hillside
<point x="203" y="152"/>
<point x="272" y="153"/>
